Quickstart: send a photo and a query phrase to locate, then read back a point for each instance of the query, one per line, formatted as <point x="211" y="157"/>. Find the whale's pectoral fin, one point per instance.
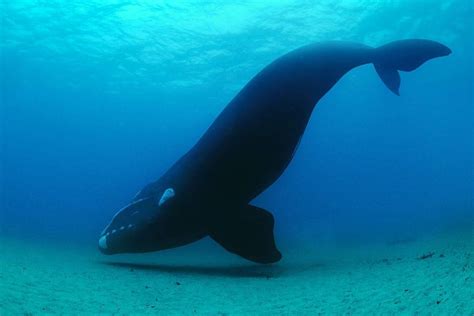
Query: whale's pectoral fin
<point x="247" y="232"/>
<point x="390" y="77"/>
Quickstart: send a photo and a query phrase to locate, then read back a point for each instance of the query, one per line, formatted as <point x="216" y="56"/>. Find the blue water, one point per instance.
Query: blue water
<point x="101" y="97"/>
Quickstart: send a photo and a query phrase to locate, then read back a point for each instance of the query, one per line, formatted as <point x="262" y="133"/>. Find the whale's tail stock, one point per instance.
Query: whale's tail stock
<point x="404" y="55"/>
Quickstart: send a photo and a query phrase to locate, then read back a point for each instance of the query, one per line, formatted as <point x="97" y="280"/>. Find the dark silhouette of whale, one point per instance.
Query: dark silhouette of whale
<point x="208" y="190"/>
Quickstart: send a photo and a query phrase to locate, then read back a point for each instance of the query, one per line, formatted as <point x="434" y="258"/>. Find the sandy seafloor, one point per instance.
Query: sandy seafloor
<point x="38" y="277"/>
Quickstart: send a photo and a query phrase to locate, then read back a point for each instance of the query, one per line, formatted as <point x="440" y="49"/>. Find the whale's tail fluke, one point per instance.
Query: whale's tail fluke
<point x="404" y="55"/>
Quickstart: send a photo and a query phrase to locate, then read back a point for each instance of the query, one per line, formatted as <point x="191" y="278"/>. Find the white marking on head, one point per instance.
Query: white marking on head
<point x="168" y="194"/>
<point x="119" y="211"/>
<point x="114" y="231"/>
<point x="103" y="242"/>
<point x="105" y="229"/>
<point x="138" y="193"/>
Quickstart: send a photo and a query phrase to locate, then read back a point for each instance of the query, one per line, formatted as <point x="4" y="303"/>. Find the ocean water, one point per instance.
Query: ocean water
<point x="99" y="98"/>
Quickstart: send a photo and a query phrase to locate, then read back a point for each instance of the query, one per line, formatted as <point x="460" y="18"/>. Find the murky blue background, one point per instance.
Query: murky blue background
<point x="101" y="97"/>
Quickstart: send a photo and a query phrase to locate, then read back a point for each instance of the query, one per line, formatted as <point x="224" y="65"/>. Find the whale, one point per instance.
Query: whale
<point x="208" y="191"/>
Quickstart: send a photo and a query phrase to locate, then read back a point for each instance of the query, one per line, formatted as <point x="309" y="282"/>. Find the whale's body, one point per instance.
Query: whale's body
<point x="246" y="149"/>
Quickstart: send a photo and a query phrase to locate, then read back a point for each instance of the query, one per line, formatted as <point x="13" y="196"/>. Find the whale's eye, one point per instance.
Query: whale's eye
<point x="168" y="194"/>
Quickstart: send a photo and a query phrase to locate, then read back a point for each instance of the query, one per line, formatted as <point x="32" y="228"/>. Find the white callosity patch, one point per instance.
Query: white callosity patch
<point x="120" y="211"/>
<point x="138" y="193"/>
<point x="168" y="194"/>
<point x="116" y="214"/>
<point x="103" y="242"/>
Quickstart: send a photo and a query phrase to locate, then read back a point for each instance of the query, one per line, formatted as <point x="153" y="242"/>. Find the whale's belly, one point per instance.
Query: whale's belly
<point x="244" y="153"/>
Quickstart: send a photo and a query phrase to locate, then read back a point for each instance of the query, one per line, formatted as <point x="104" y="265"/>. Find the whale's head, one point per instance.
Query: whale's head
<point x="144" y="225"/>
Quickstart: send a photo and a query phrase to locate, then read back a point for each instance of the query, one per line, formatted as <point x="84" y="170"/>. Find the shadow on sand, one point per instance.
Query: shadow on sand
<point x="253" y="271"/>
<point x="239" y="271"/>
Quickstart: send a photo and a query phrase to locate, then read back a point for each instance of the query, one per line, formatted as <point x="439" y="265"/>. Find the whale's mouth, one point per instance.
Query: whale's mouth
<point x="134" y="228"/>
<point x="111" y="239"/>
<point x="123" y="230"/>
<point x="124" y="215"/>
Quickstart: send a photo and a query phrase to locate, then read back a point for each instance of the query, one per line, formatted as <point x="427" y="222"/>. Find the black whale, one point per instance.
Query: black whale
<point x="207" y="191"/>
